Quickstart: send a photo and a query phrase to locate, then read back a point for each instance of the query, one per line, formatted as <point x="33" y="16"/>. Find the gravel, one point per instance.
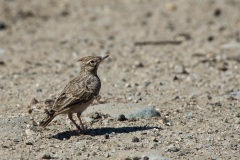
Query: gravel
<point x="182" y="57"/>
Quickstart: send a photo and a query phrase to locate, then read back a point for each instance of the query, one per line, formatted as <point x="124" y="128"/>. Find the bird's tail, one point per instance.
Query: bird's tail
<point x="50" y="116"/>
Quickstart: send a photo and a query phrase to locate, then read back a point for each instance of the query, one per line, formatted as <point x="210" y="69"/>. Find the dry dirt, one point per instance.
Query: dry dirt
<point x="181" y="57"/>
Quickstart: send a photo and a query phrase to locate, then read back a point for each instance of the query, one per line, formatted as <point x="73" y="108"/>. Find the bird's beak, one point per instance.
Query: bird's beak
<point x="104" y="57"/>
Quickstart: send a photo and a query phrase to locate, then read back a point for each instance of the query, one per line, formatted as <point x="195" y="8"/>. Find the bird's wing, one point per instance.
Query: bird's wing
<point x="77" y="91"/>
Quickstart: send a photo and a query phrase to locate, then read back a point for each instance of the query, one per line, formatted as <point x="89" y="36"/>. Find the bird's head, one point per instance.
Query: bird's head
<point x="91" y="63"/>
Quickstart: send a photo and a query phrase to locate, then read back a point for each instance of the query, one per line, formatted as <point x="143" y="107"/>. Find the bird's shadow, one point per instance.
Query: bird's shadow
<point x="101" y="131"/>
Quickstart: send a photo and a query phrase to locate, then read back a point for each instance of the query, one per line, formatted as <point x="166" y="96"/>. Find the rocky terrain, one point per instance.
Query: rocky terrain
<point x="170" y="87"/>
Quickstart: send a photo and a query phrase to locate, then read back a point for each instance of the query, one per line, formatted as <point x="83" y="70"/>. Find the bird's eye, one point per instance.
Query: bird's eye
<point x="92" y="62"/>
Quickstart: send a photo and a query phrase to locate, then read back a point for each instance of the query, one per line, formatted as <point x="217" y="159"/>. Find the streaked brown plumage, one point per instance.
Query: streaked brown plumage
<point x="78" y="93"/>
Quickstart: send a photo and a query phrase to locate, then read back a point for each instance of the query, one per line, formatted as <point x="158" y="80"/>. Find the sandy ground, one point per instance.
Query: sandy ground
<point x="181" y="57"/>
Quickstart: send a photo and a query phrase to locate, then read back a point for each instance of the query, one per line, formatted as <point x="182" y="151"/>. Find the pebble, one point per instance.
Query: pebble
<point x="34" y="101"/>
<point x="170" y="6"/>
<point x="38" y="90"/>
<point x="29" y="143"/>
<point x="189" y="115"/>
<point x="154" y="156"/>
<point x="2" y="51"/>
<point x="235" y="94"/>
<point x="107" y="155"/>
<point x="2" y="25"/>
<point x="95" y="115"/>
<point x="2" y="63"/>
<point x="238" y="115"/>
<point x="175" y="78"/>
<point x="122" y="117"/>
<point x="167" y="121"/>
<point x="138" y="64"/>
<point x="146" y="84"/>
<point x="16" y="140"/>
<point x="145" y="158"/>
<point x="217" y="12"/>
<point x="135" y="139"/>
<point x="106" y="136"/>
<point x="46" y="156"/>
<point x="145" y="113"/>
<point x="173" y="149"/>
<point x="155" y="140"/>
<point x="136" y="158"/>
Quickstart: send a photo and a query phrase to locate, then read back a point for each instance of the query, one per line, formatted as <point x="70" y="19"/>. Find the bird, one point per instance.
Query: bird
<point x="78" y="94"/>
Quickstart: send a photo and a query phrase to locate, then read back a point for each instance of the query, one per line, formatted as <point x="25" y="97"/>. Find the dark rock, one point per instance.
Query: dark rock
<point x="106" y="136"/>
<point x="136" y="158"/>
<point x="46" y="156"/>
<point x="34" y="101"/>
<point x="29" y="143"/>
<point x="210" y="38"/>
<point x="173" y="149"/>
<point x="39" y="90"/>
<point x="217" y="12"/>
<point x="95" y="115"/>
<point x="167" y="121"/>
<point x="2" y="63"/>
<point x="2" y="25"/>
<point x="122" y="117"/>
<point x="135" y="139"/>
<point x="145" y="158"/>
<point x="175" y="78"/>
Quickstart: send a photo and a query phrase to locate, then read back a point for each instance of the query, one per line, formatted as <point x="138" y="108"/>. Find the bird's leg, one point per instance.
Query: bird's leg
<point x="80" y="120"/>
<point x="70" y="117"/>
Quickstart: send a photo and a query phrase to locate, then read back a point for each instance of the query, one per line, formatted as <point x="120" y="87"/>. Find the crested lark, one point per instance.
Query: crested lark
<point x="78" y="93"/>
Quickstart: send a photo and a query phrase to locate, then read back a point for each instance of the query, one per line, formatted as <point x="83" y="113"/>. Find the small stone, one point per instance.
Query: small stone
<point x="138" y="64"/>
<point x="95" y="115"/>
<point x="46" y="156"/>
<point x="107" y="155"/>
<point x="173" y="149"/>
<point x="2" y="63"/>
<point x="39" y="90"/>
<point x="34" y="101"/>
<point x="170" y="6"/>
<point x="135" y="139"/>
<point x="30" y="111"/>
<point x="145" y="113"/>
<point x="238" y="115"/>
<point x="2" y="51"/>
<point x="2" y="25"/>
<point x="175" y="78"/>
<point x="16" y="140"/>
<point x="106" y="136"/>
<point x="29" y="143"/>
<point x="122" y="117"/>
<point x="189" y="115"/>
<point x="128" y="158"/>
<point x="146" y="84"/>
<point x="167" y="121"/>
<point x="217" y="12"/>
<point x="136" y="158"/>
<point x="210" y="38"/>
<point x="155" y="140"/>
<point x="145" y="158"/>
